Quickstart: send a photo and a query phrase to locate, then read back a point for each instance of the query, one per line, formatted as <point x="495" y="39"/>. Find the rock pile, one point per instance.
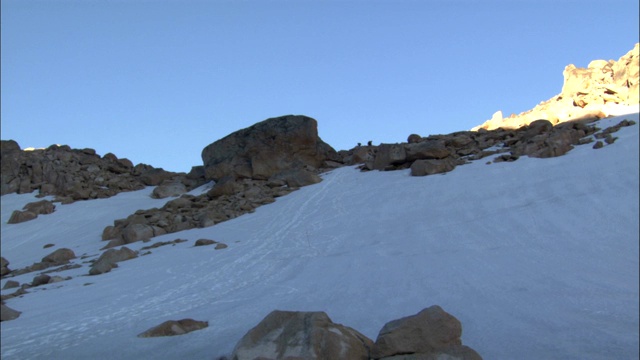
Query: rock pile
<point x="430" y="334"/>
<point x="227" y="199"/>
<point x="79" y="174"/>
<point x="31" y="211"/>
<point x="586" y="93"/>
<point x="437" y="154"/>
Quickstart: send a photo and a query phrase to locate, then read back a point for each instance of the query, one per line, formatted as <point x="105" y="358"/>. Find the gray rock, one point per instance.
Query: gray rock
<point x="7" y="313"/>
<point x="174" y="327"/>
<point x="301" y="335"/>
<point x="168" y="189"/>
<point x="42" y="279"/>
<point x="204" y="242"/>
<point x="109" y="258"/>
<point x="60" y="256"/>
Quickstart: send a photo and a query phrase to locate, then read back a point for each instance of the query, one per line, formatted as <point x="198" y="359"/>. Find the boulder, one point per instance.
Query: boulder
<point x="4" y="266"/>
<point x="432" y="166"/>
<point x="432" y="332"/>
<point x="301" y="335"/>
<point x="431" y="149"/>
<point x="174" y="327"/>
<point x="7" y="313"/>
<point x="154" y="177"/>
<point x="168" y="189"/>
<point x="204" y="242"/>
<point x="136" y="232"/>
<point x="109" y="258"/>
<point x="296" y="178"/>
<point x="60" y="256"/>
<point x="21" y="216"/>
<point x="389" y="155"/>
<point x="42" y="207"/>
<point x="267" y="148"/>
<point x="41" y="279"/>
<point x="10" y="284"/>
<point x="226" y="185"/>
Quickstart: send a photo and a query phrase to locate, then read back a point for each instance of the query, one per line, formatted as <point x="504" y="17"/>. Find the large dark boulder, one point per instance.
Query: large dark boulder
<point x="267" y="148"/>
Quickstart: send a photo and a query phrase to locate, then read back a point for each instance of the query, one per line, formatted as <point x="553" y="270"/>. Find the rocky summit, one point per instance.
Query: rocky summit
<point x="591" y="92"/>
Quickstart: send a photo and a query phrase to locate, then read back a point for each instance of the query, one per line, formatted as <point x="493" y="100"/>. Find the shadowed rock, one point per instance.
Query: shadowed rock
<point x="267" y="148"/>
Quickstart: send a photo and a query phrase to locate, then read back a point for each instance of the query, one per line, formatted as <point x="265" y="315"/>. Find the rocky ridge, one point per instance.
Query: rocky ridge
<point x="588" y="92"/>
<point x="79" y="174"/>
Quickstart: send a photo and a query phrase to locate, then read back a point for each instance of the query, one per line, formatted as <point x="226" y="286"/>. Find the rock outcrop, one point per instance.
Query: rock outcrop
<point x="174" y="327"/>
<point x="80" y="174"/>
<point x="301" y="335"/>
<point x="267" y="149"/>
<point x="587" y="93"/>
<point x="438" y="154"/>
<point x="430" y="334"/>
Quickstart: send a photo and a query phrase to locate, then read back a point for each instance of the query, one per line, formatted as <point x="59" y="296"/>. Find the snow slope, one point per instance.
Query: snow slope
<point x="537" y="258"/>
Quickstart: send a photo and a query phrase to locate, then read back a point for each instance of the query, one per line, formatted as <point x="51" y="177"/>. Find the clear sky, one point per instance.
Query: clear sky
<point x="157" y="81"/>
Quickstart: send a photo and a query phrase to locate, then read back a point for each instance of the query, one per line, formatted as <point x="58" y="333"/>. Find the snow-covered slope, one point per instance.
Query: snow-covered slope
<point x="537" y="258"/>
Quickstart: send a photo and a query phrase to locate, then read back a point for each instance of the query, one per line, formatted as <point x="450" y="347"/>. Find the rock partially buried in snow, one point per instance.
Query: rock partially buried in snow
<point x="109" y="258"/>
<point x="174" y="327"/>
<point x="301" y="335"/>
<point x="7" y="313"/>
<point x="169" y="189"/>
<point x="430" y="334"/>
<point x="60" y="256"/>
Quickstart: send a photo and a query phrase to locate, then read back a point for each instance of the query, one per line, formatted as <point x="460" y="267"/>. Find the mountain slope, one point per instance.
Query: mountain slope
<point x="538" y="258"/>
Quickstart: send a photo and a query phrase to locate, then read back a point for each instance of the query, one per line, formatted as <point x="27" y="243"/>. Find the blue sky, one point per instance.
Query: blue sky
<point x="157" y="81"/>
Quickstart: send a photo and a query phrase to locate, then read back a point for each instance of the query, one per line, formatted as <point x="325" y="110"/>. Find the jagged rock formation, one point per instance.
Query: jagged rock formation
<point x="268" y="148"/>
<point x="586" y="93"/>
<point x="78" y="174"/>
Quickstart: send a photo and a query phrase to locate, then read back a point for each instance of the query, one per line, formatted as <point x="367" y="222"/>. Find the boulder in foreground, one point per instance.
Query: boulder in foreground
<point x="301" y="335"/>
